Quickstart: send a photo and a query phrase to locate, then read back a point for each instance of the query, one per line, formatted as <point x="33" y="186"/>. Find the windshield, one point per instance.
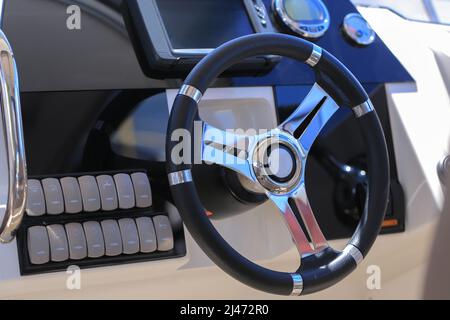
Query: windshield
<point x="434" y="11"/>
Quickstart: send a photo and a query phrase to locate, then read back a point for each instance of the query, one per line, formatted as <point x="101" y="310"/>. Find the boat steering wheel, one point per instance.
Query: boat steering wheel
<point x="336" y="87"/>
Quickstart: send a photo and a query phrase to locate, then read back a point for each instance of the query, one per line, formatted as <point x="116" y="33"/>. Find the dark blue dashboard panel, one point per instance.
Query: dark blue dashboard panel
<point x="372" y="64"/>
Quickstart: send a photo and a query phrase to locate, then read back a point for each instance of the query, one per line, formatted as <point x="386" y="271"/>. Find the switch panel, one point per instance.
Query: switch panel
<point x="94" y="219"/>
<point x="88" y="193"/>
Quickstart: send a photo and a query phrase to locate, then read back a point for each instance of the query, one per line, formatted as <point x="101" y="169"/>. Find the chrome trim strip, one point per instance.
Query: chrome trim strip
<point x="354" y="253"/>
<point x="191" y="92"/>
<point x="316" y="54"/>
<point x="443" y="170"/>
<point x="180" y="177"/>
<point x="14" y="142"/>
<point x="193" y="51"/>
<point x="363" y="109"/>
<point x="2" y="9"/>
<point x="297" y="284"/>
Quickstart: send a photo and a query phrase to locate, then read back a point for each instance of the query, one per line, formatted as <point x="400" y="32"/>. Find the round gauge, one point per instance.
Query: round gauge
<point x="358" y="29"/>
<point x="308" y="18"/>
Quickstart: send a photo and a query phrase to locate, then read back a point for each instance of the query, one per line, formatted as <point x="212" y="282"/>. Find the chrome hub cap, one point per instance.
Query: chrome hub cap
<point x="277" y="163"/>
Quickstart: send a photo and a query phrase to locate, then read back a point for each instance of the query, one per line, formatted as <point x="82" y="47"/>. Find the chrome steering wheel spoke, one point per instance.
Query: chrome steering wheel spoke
<point x="305" y="125"/>
<point x="308" y="120"/>
<point x="227" y="148"/>
<point x="293" y="224"/>
<point x="295" y="207"/>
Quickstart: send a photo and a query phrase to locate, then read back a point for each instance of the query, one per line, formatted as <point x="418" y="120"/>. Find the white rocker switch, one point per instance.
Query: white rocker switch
<point x="125" y="191"/>
<point x="77" y="241"/>
<point x="164" y="233"/>
<point x="94" y="239"/>
<point x="38" y="245"/>
<point x="35" y="199"/>
<point x="113" y="239"/>
<point x="147" y="234"/>
<point x="108" y="193"/>
<point x="142" y="190"/>
<point x="59" y="249"/>
<point x="130" y="238"/>
<point x="89" y="193"/>
<point x="72" y="195"/>
<point x="53" y="196"/>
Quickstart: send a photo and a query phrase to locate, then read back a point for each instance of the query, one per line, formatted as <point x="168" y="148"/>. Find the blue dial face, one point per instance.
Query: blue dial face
<point x="307" y="18"/>
<point x="358" y="29"/>
<point x="304" y="10"/>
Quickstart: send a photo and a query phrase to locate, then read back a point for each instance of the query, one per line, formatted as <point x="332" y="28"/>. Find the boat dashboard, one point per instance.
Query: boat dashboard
<point x="98" y="81"/>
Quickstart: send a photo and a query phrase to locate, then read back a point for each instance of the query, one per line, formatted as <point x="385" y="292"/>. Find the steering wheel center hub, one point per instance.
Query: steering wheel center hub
<point x="277" y="164"/>
<point x="280" y="163"/>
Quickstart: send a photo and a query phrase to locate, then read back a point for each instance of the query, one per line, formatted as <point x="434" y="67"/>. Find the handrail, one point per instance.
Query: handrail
<point x="14" y="141"/>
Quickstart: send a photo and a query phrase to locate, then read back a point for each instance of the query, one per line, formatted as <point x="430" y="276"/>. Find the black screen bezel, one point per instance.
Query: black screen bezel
<point x="159" y="60"/>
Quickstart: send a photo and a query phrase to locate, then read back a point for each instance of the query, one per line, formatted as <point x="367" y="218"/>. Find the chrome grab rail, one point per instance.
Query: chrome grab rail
<point x="14" y="141"/>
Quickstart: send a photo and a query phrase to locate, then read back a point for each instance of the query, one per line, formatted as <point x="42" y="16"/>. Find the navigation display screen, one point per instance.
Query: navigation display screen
<point x="203" y="24"/>
<point x="304" y="10"/>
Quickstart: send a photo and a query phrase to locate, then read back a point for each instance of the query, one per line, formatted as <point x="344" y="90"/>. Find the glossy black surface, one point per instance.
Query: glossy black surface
<point x="100" y="56"/>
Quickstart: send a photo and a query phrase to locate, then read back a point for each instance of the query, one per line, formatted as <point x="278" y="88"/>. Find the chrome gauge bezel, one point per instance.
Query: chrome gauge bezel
<point x="359" y="41"/>
<point x="304" y="29"/>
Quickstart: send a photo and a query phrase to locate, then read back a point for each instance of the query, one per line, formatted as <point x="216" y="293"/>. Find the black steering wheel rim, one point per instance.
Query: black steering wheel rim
<point x="320" y="269"/>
